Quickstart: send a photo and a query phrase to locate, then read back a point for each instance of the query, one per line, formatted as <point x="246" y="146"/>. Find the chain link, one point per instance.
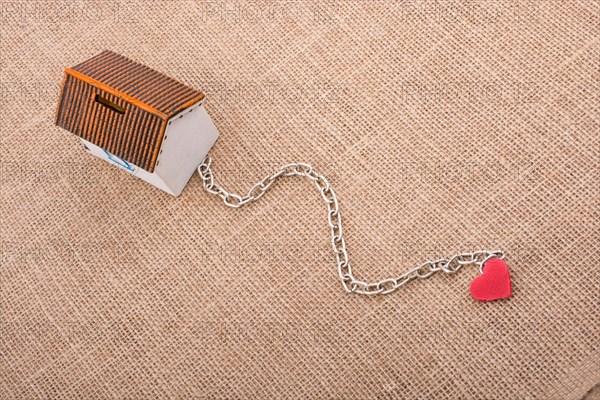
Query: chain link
<point x="334" y="218"/>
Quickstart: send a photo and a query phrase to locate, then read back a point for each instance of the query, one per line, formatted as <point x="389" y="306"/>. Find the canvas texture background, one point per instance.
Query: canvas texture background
<point x="443" y="127"/>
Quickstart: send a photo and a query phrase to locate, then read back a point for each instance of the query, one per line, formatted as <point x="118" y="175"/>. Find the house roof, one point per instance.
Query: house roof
<point x="142" y="85"/>
<point x="121" y="106"/>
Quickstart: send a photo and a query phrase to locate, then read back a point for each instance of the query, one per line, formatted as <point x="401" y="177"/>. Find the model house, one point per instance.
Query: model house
<point x="137" y="119"/>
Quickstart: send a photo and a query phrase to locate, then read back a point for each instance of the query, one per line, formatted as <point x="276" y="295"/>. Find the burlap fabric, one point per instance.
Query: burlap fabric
<point x="443" y="126"/>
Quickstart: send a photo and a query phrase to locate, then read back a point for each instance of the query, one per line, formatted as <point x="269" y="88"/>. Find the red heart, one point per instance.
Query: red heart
<point x="494" y="283"/>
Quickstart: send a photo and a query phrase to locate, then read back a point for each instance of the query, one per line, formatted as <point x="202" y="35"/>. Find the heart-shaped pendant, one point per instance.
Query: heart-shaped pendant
<point x="493" y="283"/>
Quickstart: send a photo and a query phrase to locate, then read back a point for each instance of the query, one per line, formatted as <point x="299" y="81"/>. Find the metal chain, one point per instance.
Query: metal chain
<point x="349" y="282"/>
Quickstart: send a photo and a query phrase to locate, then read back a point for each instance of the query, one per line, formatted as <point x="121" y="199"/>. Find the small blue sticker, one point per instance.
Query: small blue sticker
<point x="119" y="161"/>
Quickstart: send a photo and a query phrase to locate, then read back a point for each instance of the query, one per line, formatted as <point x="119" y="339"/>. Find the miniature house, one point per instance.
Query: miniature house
<point x="137" y="119"/>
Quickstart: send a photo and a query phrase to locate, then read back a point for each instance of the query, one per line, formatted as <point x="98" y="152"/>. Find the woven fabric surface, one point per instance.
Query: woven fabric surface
<point x="443" y="127"/>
